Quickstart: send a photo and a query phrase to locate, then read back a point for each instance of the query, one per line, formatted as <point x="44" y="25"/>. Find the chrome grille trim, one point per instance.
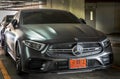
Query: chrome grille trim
<point x="60" y="50"/>
<point x="94" y="49"/>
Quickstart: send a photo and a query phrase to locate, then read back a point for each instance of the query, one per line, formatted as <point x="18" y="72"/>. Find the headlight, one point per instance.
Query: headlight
<point x="105" y="42"/>
<point x="34" y="45"/>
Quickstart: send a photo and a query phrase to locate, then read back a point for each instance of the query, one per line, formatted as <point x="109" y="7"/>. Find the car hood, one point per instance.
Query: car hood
<point x="62" y="33"/>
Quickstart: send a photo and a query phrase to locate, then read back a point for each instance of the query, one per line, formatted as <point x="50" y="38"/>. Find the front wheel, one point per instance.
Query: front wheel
<point x="2" y="40"/>
<point x="18" y="61"/>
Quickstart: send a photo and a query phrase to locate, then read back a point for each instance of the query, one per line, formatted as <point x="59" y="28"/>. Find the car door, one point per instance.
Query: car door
<point x="10" y="37"/>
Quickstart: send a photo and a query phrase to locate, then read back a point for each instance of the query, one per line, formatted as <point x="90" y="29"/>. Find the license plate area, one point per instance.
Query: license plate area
<point x="77" y="63"/>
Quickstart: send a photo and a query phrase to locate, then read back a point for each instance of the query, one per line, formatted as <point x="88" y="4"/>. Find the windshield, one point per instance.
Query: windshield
<point x="41" y="17"/>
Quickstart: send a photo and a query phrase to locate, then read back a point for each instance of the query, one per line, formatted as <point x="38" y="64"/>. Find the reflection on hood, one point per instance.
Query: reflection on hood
<point x="59" y="32"/>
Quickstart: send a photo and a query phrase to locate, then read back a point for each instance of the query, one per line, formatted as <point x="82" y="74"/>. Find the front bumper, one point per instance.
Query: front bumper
<point x="99" y="61"/>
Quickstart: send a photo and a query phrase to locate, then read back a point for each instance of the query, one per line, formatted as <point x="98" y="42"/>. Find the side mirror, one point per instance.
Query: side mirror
<point x="82" y="21"/>
<point x="14" y="23"/>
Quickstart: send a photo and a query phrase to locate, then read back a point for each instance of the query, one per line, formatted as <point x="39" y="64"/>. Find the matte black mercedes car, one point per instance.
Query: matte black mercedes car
<point x="48" y="40"/>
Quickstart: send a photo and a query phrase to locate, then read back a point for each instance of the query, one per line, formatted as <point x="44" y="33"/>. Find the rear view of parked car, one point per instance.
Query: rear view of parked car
<point x="47" y="40"/>
<point x="6" y="20"/>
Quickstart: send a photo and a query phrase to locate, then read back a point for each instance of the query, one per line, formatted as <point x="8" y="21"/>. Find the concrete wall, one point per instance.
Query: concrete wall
<point x="90" y="18"/>
<point x="74" y="6"/>
<point x="78" y="8"/>
<point x="60" y="4"/>
<point x="117" y="17"/>
<point x="105" y="17"/>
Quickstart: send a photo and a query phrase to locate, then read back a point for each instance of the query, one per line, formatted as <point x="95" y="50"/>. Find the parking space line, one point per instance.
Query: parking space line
<point x="4" y="71"/>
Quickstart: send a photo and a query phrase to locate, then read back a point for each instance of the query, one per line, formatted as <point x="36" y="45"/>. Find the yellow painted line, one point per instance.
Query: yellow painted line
<point x="4" y="71"/>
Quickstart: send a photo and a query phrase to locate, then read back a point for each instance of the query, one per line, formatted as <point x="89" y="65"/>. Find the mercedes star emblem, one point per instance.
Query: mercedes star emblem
<point x="77" y="50"/>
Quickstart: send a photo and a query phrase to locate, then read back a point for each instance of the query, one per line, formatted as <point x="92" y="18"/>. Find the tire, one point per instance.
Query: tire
<point x="2" y="40"/>
<point x="2" y="43"/>
<point x="5" y="47"/>
<point x="18" y="61"/>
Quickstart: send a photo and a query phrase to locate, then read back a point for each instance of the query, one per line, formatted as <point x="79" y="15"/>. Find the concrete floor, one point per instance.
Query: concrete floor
<point x="111" y="73"/>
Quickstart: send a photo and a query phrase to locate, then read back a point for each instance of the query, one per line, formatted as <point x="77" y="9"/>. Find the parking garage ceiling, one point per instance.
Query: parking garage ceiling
<point x="8" y="4"/>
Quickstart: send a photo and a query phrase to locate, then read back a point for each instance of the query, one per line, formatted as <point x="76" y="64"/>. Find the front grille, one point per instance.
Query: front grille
<point x="62" y="65"/>
<point x="65" y="50"/>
